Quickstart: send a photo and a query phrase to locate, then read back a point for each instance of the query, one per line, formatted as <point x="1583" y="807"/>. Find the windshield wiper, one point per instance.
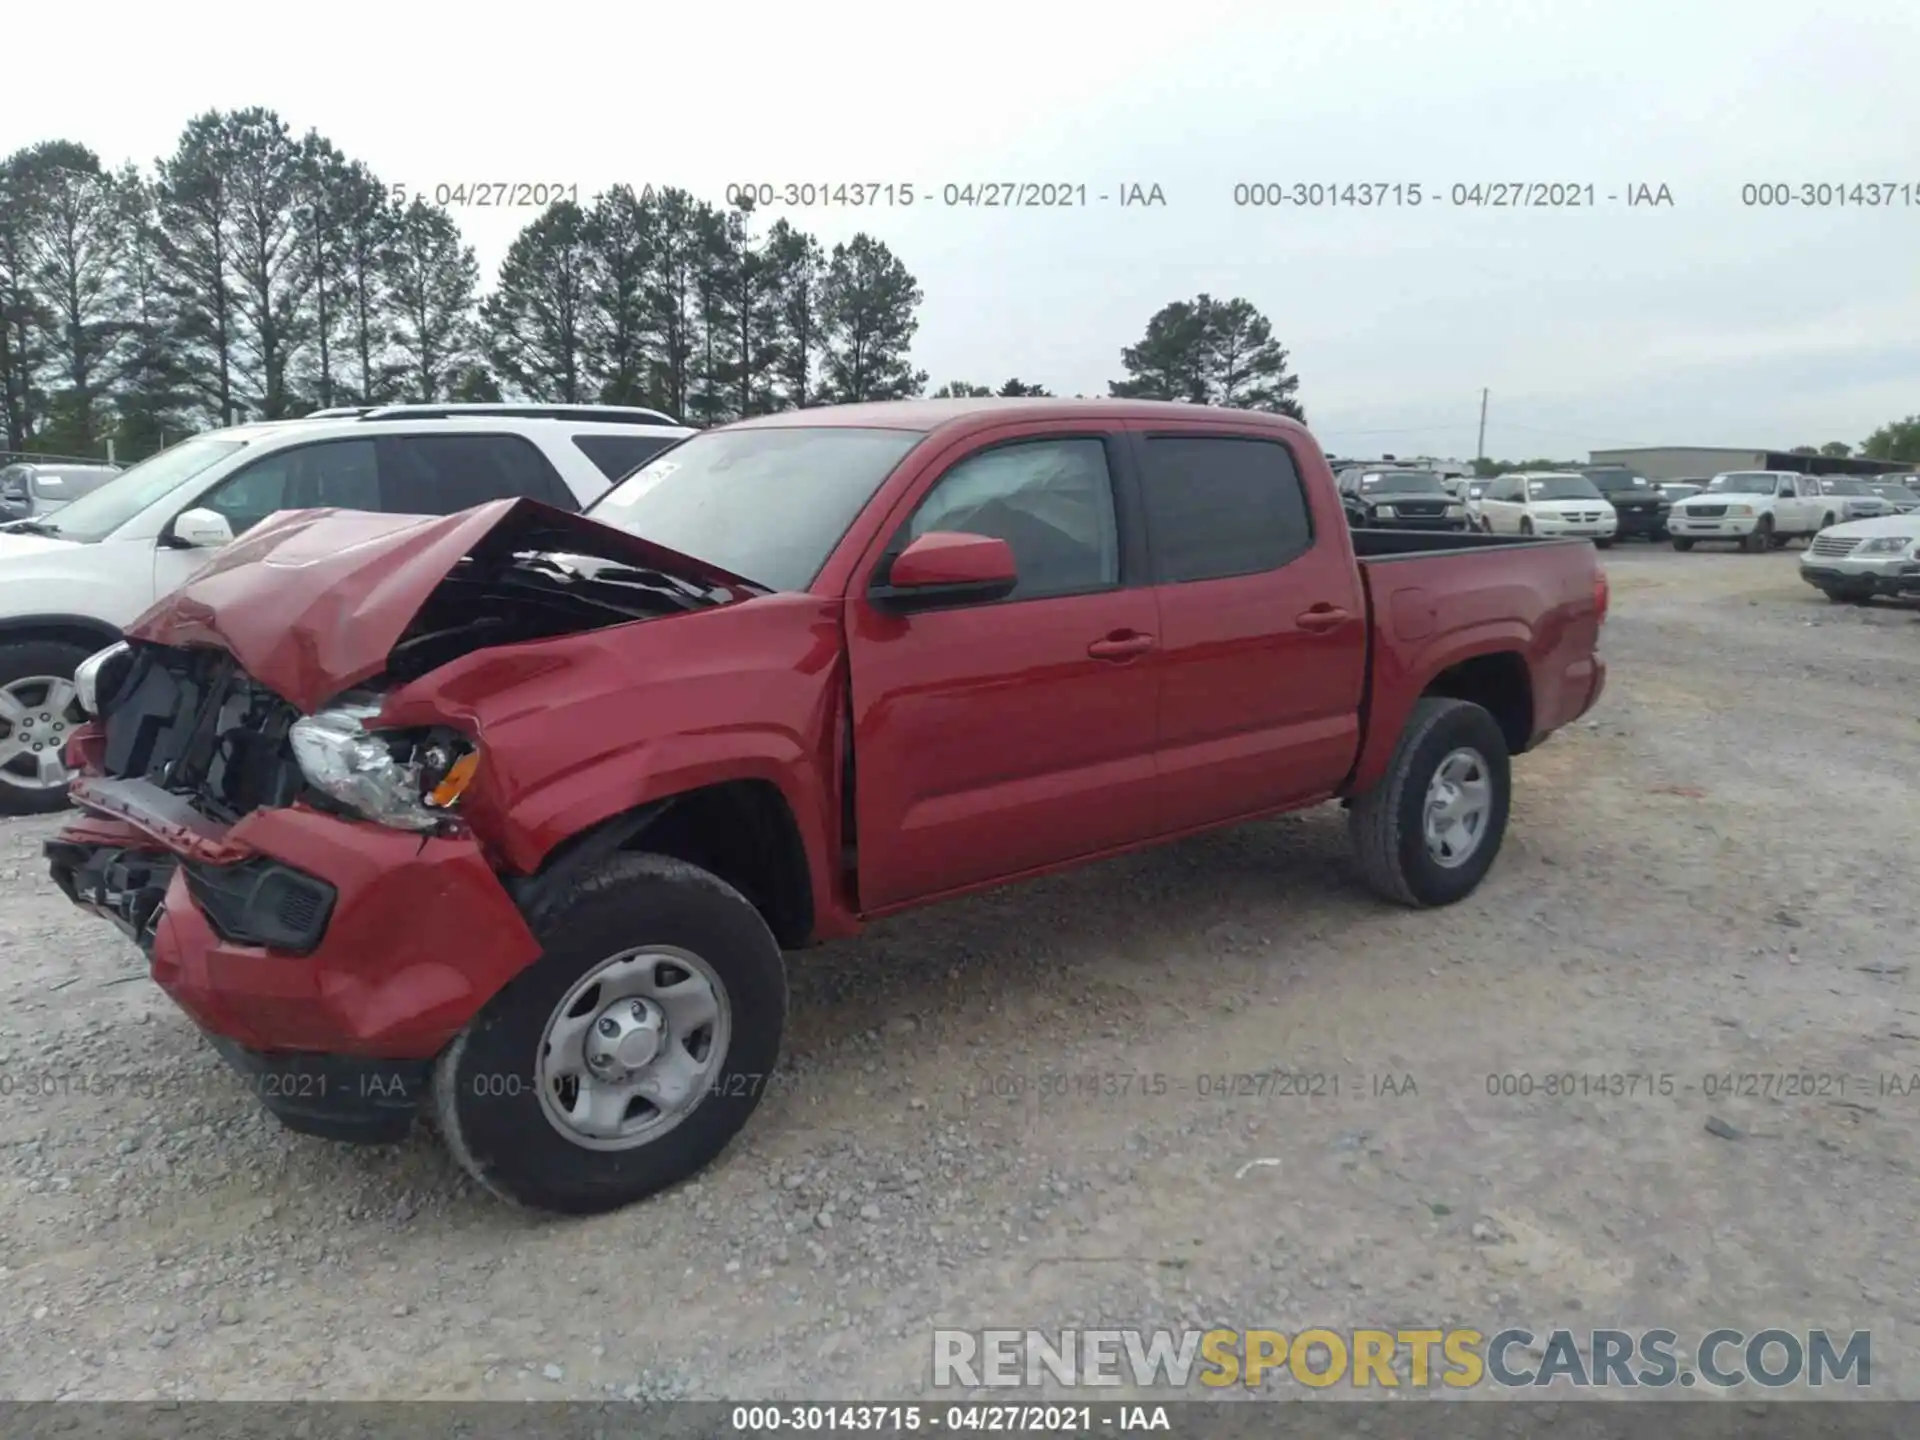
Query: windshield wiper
<point x="32" y="527"/>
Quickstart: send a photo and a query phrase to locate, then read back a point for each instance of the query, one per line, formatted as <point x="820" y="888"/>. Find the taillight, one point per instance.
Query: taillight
<point x="1602" y="594"/>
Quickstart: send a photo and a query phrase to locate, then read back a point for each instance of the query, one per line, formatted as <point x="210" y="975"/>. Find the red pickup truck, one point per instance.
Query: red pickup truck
<point x="510" y="814"/>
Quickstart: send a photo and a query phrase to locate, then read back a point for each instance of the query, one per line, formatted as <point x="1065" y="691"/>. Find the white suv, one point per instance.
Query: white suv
<point x="1546" y="503"/>
<point x="1757" y="509"/>
<point x="70" y="581"/>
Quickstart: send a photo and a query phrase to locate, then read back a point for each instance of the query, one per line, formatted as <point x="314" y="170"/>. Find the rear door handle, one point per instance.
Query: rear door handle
<point x="1322" y="617"/>
<point x="1121" y="647"/>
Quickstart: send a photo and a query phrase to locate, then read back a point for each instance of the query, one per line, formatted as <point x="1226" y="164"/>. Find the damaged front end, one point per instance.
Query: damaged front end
<point x="299" y="872"/>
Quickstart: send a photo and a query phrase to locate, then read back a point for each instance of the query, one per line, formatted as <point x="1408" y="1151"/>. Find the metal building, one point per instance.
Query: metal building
<point x="1685" y="462"/>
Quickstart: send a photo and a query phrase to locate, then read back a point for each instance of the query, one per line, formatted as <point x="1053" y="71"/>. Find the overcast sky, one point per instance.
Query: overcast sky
<point x="1703" y="322"/>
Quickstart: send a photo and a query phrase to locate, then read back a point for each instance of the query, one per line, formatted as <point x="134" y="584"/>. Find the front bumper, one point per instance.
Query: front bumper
<point x="318" y="944"/>
<point x="1562" y="530"/>
<point x="1418" y="522"/>
<point x="1889" y="575"/>
<point x="1652" y="524"/>
<point x="1720" y="527"/>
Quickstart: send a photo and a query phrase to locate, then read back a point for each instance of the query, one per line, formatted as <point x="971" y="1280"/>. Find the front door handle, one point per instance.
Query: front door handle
<point x="1121" y="647"/>
<point x="1321" y="618"/>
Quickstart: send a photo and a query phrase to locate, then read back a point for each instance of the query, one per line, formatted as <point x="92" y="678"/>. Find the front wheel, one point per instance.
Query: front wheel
<point x="630" y="1054"/>
<point x="1760" y="537"/>
<point x="1682" y="545"/>
<point x="39" y="709"/>
<point x="1604" y="544"/>
<point x="1429" y="830"/>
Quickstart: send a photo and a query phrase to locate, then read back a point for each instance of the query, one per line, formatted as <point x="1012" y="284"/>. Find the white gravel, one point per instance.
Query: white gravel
<point x="1716" y="875"/>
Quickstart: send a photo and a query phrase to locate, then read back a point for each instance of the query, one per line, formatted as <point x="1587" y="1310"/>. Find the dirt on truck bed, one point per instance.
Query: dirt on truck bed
<point x="1217" y="1084"/>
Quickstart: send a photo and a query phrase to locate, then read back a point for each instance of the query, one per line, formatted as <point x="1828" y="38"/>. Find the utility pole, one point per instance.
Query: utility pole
<point x="1481" y="447"/>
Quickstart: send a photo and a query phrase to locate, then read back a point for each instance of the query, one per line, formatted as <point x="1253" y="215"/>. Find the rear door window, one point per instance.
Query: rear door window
<point x="1220" y="506"/>
<point x="443" y="474"/>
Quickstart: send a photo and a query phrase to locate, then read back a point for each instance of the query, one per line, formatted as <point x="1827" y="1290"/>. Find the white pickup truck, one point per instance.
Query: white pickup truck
<point x="1754" y="509"/>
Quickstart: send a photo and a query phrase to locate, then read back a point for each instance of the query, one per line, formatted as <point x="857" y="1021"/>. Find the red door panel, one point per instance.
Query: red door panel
<point x="1259" y="706"/>
<point x="988" y="740"/>
<point x="1261" y="672"/>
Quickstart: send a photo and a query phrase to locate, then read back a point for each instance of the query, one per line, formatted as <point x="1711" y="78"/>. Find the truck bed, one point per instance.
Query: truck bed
<point x="1494" y="611"/>
<point x="1395" y="544"/>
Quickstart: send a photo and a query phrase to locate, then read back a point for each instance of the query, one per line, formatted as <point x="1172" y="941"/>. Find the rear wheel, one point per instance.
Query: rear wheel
<point x="630" y="1054"/>
<point x="38" y="711"/>
<point x="1430" y="829"/>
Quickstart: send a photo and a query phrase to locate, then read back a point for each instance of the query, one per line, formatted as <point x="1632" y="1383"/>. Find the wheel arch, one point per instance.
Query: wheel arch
<point x="82" y="630"/>
<point x="743" y="830"/>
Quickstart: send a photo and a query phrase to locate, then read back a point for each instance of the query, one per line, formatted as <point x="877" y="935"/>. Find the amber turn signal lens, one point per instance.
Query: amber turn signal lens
<point x="455" y="783"/>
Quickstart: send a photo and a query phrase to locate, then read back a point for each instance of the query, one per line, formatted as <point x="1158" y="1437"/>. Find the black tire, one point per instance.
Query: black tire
<point x="1386" y="824"/>
<point x="507" y="1142"/>
<point x="25" y="659"/>
<point x="1681" y="544"/>
<point x="1603" y="544"/>
<point x="1760" y="538"/>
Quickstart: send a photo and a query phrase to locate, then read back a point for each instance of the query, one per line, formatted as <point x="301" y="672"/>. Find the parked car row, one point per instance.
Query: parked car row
<point x="1863" y="536"/>
<point x="505" y="817"/>
<point x="1764" y="509"/>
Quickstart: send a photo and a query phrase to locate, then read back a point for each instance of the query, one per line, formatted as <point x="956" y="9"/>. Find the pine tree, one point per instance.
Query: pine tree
<point x="869" y="302"/>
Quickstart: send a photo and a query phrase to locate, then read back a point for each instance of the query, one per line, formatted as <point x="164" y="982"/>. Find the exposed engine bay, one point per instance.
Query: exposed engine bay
<point x="533" y="582"/>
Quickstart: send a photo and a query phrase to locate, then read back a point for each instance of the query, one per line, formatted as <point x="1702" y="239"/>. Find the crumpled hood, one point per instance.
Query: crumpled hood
<point x="311" y="602"/>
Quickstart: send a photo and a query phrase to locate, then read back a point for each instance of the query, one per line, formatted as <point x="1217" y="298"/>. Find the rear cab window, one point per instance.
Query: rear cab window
<point x="1220" y="506"/>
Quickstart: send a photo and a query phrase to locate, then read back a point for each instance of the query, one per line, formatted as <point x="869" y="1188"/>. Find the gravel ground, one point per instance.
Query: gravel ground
<point x="1712" y="876"/>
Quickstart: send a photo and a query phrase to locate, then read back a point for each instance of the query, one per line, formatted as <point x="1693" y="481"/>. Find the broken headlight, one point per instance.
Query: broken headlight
<point x="409" y="779"/>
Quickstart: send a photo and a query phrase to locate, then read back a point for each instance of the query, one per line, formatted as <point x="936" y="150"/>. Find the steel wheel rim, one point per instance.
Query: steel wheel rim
<point x="633" y="1047"/>
<point x="37" y="715"/>
<point x="1458" y="806"/>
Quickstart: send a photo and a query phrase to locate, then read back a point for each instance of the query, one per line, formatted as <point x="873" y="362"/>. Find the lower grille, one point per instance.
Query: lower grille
<point x="262" y="902"/>
<point x="1832" y="547"/>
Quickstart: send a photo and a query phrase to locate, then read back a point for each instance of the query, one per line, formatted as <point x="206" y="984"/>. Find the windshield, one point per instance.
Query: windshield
<point x="1845" y="487"/>
<point x="1755" y="482"/>
<point x="97" y="515"/>
<point x="69" y="484"/>
<point x="1561" y="487"/>
<point x="1619" y="480"/>
<point x="1404" y="482"/>
<point x="767" y="504"/>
